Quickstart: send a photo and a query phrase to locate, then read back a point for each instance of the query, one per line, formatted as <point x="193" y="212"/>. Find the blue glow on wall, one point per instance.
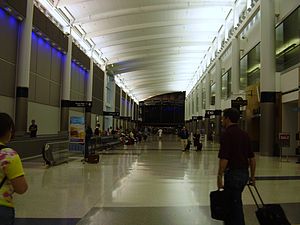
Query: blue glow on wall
<point x="12" y="21"/>
<point x="34" y="36"/>
<point x="2" y="13"/>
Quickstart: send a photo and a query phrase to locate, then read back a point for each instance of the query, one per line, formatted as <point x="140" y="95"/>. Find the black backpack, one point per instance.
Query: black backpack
<point x="4" y="179"/>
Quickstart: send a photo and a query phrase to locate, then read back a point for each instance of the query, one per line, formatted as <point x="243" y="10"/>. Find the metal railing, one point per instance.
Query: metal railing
<point x="55" y="153"/>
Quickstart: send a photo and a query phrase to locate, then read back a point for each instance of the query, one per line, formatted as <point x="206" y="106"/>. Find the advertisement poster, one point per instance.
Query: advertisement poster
<point x="77" y="133"/>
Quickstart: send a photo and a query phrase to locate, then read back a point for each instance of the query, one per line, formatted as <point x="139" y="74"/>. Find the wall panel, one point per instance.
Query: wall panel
<point x="7" y="105"/>
<point x="43" y="58"/>
<point x="7" y="78"/>
<point x="42" y="91"/>
<point x="54" y="94"/>
<point x="56" y="65"/>
<point x="33" y="56"/>
<point x="32" y="87"/>
<point x="47" y="117"/>
<point x="8" y="37"/>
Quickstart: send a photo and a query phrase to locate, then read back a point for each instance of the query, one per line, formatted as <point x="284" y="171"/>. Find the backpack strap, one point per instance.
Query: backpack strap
<point x="5" y="178"/>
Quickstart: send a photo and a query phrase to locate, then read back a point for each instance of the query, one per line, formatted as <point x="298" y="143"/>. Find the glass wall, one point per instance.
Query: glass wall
<point x="250" y="68"/>
<point x="226" y="85"/>
<point x="288" y="42"/>
<point x="203" y="96"/>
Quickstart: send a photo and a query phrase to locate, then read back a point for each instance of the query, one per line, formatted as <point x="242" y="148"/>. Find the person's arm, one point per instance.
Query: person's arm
<point x="222" y="166"/>
<point x="252" y="163"/>
<point x="19" y="184"/>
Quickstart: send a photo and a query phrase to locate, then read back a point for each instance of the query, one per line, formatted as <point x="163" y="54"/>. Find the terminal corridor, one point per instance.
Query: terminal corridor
<point x="149" y="183"/>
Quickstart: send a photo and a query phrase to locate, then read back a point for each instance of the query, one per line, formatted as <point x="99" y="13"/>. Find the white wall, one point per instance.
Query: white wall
<point x="251" y="38"/>
<point x="290" y="80"/>
<point x="290" y="125"/>
<point x="285" y="6"/>
<point x="47" y="117"/>
<point x="7" y="105"/>
<point x="226" y="103"/>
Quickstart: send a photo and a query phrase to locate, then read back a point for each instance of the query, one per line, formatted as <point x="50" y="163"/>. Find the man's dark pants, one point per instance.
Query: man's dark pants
<point x="234" y="184"/>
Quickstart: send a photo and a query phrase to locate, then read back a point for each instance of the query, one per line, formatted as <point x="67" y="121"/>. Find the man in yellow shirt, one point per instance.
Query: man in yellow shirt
<point x="11" y="172"/>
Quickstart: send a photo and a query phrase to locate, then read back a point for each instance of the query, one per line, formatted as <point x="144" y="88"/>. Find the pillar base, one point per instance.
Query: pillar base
<point x="21" y="116"/>
<point x="267" y="128"/>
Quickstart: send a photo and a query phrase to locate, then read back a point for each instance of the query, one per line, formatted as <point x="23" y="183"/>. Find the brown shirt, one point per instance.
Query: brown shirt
<point x="235" y="146"/>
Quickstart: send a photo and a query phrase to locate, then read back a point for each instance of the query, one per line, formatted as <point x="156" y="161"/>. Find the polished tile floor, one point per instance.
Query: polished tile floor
<point x="150" y="183"/>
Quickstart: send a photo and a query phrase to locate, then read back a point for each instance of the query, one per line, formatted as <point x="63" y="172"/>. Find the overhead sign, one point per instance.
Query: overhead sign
<point x="111" y="113"/>
<point x="239" y="102"/>
<point x="210" y="112"/>
<point x="81" y="104"/>
<point x="194" y="117"/>
<point x="125" y="117"/>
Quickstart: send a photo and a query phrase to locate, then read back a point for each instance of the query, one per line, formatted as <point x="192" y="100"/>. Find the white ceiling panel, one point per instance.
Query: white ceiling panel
<point x="155" y="46"/>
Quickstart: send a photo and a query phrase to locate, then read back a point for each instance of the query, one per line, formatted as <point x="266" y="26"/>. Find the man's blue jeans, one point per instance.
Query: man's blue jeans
<point x="7" y="215"/>
<point x="234" y="184"/>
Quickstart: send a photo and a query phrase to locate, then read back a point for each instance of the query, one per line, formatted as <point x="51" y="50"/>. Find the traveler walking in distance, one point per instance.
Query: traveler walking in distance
<point x="11" y="172"/>
<point x="184" y="135"/>
<point x="235" y="156"/>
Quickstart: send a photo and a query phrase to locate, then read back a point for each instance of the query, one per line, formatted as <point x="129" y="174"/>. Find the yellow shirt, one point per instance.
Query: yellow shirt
<point x="11" y="167"/>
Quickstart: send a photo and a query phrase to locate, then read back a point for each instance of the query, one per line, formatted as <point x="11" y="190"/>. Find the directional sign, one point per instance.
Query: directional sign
<point x="210" y="112"/>
<point x="284" y="139"/>
<point x="111" y="113"/>
<point x="81" y="104"/>
<point x="239" y="102"/>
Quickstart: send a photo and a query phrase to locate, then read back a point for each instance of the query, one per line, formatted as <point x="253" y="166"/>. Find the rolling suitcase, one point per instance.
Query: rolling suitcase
<point x="93" y="158"/>
<point x="269" y="214"/>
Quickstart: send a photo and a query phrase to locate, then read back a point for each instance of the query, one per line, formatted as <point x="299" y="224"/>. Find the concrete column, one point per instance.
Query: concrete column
<point x="218" y="114"/>
<point x="66" y="88"/>
<point x="218" y="100"/>
<point x="218" y="84"/>
<point x="89" y="93"/>
<point x="200" y="99"/>
<point x="132" y="110"/>
<point x="185" y="109"/>
<point x="195" y="113"/>
<point x="206" y="125"/>
<point x="23" y="71"/>
<point x="105" y="99"/>
<point x="190" y="107"/>
<point x="207" y="90"/>
<point x="267" y="78"/>
<point x="126" y="105"/>
<point x="235" y="71"/>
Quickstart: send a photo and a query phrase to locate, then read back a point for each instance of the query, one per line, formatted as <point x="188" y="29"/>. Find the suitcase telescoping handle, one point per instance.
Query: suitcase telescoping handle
<point x="255" y="200"/>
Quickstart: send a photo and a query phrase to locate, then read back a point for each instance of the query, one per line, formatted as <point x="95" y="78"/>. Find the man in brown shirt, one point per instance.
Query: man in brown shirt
<point x="235" y="157"/>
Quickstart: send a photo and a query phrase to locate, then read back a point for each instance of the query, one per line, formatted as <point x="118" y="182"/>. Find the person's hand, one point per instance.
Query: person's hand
<point x="252" y="181"/>
<point x="220" y="182"/>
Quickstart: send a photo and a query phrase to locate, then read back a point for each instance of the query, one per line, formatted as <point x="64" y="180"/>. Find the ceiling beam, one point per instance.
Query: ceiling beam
<point x="63" y="3"/>
<point x="146" y="56"/>
<point x="94" y="16"/>
<point x="160" y="24"/>
<point x="114" y="51"/>
<point x="141" y="39"/>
